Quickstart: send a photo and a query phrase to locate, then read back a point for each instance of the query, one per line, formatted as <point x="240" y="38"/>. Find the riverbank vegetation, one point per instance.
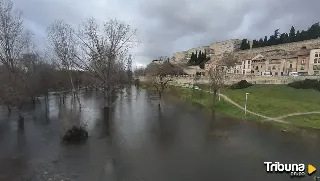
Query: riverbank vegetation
<point x="277" y="101"/>
<point x="274" y="101"/>
<point x="277" y="38"/>
<point x="91" y="55"/>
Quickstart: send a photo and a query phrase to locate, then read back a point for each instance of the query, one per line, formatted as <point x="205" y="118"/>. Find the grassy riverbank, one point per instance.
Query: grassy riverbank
<point x="269" y="100"/>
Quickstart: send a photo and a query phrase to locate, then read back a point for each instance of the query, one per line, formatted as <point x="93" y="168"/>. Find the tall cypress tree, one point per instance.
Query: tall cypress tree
<point x="265" y="41"/>
<point x="292" y="34"/>
<point x="255" y="44"/>
<point x="297" y="37"/>
<point x="261" y="44"/>
<point x="276" y="39"/>
<point x="192" y="58"/>
<point x="244" y="44"/>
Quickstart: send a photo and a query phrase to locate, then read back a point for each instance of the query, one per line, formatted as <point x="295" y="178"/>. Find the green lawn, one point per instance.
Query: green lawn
<point x="205" y="99"/>
<point x="276" y="100"/>
<point x="311" y="120"/>
<point x="268" y="100"/>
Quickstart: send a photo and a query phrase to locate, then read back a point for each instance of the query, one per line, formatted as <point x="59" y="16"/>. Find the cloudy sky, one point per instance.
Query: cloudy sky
<point x="167" y="26"/>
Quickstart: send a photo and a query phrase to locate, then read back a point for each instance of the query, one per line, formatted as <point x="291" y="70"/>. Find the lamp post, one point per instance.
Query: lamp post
<point x="219" y="94"/>
<point x="245" y="106"/>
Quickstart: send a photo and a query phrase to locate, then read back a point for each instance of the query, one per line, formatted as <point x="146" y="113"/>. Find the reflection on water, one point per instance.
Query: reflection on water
<point x="137" y="140"/>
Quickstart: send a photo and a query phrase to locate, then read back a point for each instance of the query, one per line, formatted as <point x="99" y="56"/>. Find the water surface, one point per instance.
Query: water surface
<point x="139" y="141"/>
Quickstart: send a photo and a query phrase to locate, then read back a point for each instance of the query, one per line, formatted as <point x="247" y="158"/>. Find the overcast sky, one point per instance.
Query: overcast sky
<point x="167" y="26"/>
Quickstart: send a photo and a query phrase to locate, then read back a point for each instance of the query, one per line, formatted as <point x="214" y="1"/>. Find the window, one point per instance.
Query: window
<point x="257" y="67"/>
<point x="276" y="73"/>
<point x="248" y="66"/>
<point x="302" y="68"/>
<point x="303" y="62"/>
<point x="315" y="67"/>
<point x="243" y="72"/>
<point x="315" y="60"/>
<point x="291" y="66"/>
<point x="261" y="66"/>
<point x="318" y="60"/>
<point x="316" y="54"/>
<point x="273" y="67"/>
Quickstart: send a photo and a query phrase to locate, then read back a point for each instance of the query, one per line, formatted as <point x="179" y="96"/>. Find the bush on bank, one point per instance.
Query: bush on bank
<point x="306" y="84"/>
<point x="241" y="85"/>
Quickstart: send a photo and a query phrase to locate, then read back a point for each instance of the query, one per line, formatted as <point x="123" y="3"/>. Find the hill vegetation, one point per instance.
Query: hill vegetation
<point x="313" y="32"/>
<point x="198" y="59"/>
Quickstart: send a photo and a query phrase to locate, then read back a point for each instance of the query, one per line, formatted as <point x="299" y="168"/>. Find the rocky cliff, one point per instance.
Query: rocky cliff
<point x="216" y="50"/>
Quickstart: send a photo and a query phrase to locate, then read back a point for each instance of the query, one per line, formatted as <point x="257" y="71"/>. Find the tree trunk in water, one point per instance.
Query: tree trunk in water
<point x="21" y="120"/>
<point x="9" y="110"/>
<point x="160" y="97"/>
<point x="214" y="97"/>
<point x="78" y="99"/>
<point x="106" y="97"/>
<point x="74" y="94"/>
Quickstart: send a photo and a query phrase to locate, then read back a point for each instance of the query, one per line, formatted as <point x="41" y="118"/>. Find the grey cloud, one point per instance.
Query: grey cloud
<point x="167" y="26"/>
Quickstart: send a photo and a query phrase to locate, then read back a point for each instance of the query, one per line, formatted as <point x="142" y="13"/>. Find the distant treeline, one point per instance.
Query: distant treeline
<point x="198" y="59"/>
<point x="313" y="32"/>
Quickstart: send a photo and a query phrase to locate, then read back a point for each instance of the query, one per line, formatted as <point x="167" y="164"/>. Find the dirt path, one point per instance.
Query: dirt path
<point x="266" y="118"/>
<point x="297" y="114"/>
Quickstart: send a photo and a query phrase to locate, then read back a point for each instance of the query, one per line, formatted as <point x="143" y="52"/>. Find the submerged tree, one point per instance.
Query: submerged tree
<point x="63" y="44"/>
<point x="160" y="76"/>
<point x="216" y="81"/>
<point x="103" y="48"/>
<point x="14" y="42"/>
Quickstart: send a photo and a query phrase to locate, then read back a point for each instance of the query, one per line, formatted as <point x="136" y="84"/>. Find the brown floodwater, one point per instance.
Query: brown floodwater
<point x="139" y="141"/>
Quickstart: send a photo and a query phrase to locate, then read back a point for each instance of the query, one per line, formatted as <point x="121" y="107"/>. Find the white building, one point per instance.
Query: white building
<point x="246" y="67"/>
<point x="314" y="62"/>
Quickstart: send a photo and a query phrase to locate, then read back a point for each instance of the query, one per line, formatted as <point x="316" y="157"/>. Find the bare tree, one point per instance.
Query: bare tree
<point x="160" y="75"/>
<point x="63" y="43"/>
<point x="14" y="41"/>
<point x="102" y="49"/>
<point x="129" y="69"/>
<point x="228" y="59"/>
<point x="216" y="81"/>
<point x="139" y="71"/>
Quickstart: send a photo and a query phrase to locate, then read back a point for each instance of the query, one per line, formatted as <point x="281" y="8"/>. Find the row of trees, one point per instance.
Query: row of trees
<point x="277" y="38"/>
<point x="90" y="55"/>
<point x="198" y="59"/>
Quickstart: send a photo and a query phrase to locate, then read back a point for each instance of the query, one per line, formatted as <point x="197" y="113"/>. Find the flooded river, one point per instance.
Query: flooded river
<point x="140" y="142"/>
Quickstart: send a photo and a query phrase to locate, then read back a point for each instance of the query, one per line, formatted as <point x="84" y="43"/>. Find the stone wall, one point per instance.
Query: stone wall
<point x="215" y="49"/>
<point x="218" y="48"/>
<point x="180" y="80"/>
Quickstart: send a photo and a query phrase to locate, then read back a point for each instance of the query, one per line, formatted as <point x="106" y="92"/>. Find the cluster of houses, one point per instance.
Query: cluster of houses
<point x="303" y="62"/>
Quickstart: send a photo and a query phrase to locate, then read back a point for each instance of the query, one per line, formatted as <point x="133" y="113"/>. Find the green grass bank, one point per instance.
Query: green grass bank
<point x="269" y="100"/>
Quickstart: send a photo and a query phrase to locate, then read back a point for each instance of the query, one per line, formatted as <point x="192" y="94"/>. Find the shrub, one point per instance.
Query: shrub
<point x="75" y="134"/>
<point x="241" y="85"/>
<point x="305" y="84"/>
